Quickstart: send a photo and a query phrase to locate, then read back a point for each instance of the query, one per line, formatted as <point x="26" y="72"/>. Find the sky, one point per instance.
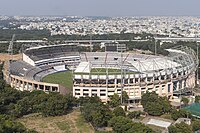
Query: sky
<point x="101" y="7"/>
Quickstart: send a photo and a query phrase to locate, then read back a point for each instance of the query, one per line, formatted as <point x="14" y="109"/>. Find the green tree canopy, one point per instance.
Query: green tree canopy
<point x="96" y="113"/>
<point x="175" y="114"/>
<point x="155" y="105"/>
<point x="180" y="128"/>
<point x="118" y="111"/>
<point x="196" y="125"/>
<point x="122" y="124"/>
<point x="197" y="99"/>
<point x="125" y="97"/>
<point x="114" y="100"/>
<point x="134" y="114"/>
<point x="185" y="100"/>
<point x="8" y="125"/>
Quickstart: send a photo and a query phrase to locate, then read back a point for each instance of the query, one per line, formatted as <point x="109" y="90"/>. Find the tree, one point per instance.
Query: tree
<point x="125" y="125"/>
<point x="96" y="113"/>
<point x="185" y="100"/>
<point x="139" y="128"/>
<point x="172" y="129"/>
<point x="180" y="114"/>
<point x="134" y="114"/>
<point x="55" y="105"/>
<point x="196" y="125"/>
<point x="155" y="109"/>
<point x="155" y="105"/>
<point x="125" y="97"/>
<point x="120" y="124"/>
<point x="197" y="99"/>
<point x="180" y="128"/>
<point x="118" y="111"/>
<point x="23" y="107"/>
<point x="8" y="125"/>
<point x="83" y="100"/>
<point x="114" y="100"/>
<point x="2" y="84"/>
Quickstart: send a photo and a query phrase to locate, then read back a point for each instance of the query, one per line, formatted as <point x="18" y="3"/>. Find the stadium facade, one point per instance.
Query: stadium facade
<point x="105" y="73"/>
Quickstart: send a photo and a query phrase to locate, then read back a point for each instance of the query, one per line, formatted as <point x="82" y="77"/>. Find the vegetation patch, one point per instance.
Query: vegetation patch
<point x="71" y="123"/>
<point x="82" y="124"/>
<point x="64" y="125"/>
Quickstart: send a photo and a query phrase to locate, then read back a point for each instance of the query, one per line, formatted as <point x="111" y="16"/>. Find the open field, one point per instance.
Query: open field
<point x="71" y="123"/>
<point x="62" y="78"/>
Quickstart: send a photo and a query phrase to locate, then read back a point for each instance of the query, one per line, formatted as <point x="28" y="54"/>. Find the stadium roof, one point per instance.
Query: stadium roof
<point x="153" y="64"/>
<point x="51" y="52"/>
<point x="46" y="46"/>
<point x="175" y="51"/>
<point x="83" y="67"/>
<point x="134" y="62"/>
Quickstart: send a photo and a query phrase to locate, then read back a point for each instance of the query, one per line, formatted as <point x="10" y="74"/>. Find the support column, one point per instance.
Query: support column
<point x="51" y="90"/>
<point x="23" y="86"/>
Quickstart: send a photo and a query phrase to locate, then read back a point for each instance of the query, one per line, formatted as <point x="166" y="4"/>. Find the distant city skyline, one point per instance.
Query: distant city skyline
<point x="100" y="7"/>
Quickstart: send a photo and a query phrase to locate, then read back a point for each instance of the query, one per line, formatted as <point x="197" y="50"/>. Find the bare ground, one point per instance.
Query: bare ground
<point x="7" y="57"/>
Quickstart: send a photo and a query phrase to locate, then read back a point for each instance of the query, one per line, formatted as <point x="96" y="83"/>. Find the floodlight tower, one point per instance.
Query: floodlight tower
<point x="197" y="56"/>
<point x="122" y="77"/>
<point x="155" y="45"/>
<point x="10" y="52"/>
<point x="10" y="47"/>
<point x="90" y="42"/>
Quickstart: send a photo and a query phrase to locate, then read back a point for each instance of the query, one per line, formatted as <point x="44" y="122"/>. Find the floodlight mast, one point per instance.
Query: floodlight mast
<point x="197" y="62"/>
<point x="90" y="42"/>
<point x="10" y="47"/>
<point x="197" y="56"/>
<point x="155" y="45"/>
<point x="10" y="52"/>
<point x="122" y="77"/>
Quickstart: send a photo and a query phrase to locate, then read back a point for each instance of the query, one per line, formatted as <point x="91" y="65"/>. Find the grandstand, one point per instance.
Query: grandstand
<point x="51" y="55"/>
<point x="38" y="62"/>
<point x="137" y="73"/>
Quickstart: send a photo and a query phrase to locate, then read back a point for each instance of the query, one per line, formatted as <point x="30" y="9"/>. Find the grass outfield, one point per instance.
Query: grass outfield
<point x="71" y="123"/>
<point x="103" y="71"/>
<point x="62" y="78"/>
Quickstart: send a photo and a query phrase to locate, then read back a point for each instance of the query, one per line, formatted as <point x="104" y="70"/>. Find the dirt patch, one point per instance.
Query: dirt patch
<point x="7" y="57"/>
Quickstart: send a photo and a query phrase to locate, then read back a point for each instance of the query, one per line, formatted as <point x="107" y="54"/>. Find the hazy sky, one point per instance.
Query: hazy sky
<point x="100" y="7"/>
